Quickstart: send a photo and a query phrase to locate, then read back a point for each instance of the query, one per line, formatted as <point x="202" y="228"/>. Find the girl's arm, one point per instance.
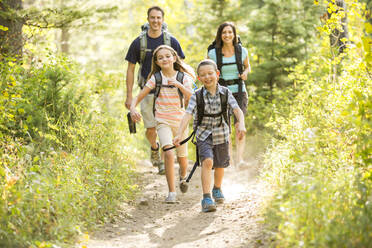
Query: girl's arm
<point x="184" y="122"/>
<point x="241" y="125"/>
<point x="247" y="69"/>
<point x="185" y="91"/>
<point x="133" y="113"/>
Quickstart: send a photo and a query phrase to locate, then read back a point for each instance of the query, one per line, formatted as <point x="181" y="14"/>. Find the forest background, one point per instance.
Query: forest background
<point x="67" y="157"/>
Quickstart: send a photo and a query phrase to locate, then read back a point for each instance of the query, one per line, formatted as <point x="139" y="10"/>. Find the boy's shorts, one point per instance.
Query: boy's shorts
<point x="147" y="111"/>
<point x="242" y="102"/>
<point x="219" y="153"/>
<point x="166" y="134"/>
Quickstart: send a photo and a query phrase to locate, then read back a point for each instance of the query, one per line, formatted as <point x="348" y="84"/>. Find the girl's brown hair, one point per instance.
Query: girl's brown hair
<point x="178" y="65"/>
<point x="218" y="39"/>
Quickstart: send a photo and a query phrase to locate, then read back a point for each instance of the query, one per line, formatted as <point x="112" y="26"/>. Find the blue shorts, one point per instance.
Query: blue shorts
<point x="219" y="153"/>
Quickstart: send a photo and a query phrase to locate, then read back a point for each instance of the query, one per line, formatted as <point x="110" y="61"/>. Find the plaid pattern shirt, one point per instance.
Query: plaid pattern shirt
<point x="212" y="125"/>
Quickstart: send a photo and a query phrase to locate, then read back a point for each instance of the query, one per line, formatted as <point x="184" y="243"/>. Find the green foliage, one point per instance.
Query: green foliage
<point x="321" y="168"/>
<point x="71" y="167"/>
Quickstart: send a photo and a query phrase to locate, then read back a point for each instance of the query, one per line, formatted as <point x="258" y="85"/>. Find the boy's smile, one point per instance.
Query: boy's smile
<point x="208" y="76"/>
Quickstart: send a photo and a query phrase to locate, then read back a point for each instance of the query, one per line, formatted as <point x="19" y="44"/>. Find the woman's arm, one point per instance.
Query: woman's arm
<point x="247" y="69"/>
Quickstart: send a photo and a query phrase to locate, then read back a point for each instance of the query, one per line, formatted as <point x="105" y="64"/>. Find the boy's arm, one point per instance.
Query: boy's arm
<point x="241" y="125"/>
<point x="184" y="122"/>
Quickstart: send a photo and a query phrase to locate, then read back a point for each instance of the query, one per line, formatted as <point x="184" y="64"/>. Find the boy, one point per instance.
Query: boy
<point x="212" y="131"/>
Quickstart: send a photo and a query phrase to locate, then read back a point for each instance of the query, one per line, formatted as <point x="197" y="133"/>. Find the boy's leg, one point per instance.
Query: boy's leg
<point x="218" y="176"/>
<point x="206" y="173"/>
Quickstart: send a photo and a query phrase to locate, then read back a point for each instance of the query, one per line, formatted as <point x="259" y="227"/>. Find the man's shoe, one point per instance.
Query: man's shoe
<point x="155" y="157"/>
<point x="218" y="196"/>
<point x="208" y="205"/>
<point x="161" y="168"/>
<point x="183" y="185"/>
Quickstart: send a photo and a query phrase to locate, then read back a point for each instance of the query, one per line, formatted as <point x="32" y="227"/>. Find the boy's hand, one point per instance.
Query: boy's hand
<point x="177" y="140"/>
<point x="136" y="117"/>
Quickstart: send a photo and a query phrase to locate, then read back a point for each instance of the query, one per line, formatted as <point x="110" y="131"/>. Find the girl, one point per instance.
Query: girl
<point x="168" y="108"/>
<point x="233" y="77"/>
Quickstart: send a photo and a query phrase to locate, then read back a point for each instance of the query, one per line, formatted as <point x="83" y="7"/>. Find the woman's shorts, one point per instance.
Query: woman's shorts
<point x="219" y="153"/>
<point x="242" y="102"/>
<point x="166" y="134"/>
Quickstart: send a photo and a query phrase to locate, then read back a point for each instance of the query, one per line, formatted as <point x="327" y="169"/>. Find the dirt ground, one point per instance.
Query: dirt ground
<point x="149" y="222"/>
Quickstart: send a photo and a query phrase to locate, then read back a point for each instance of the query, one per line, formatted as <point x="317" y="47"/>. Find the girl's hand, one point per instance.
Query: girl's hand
<point x="177" y="140"/>
<point x="174" y="83"/>
<point x="244" y="75"/>
<point x="136" y="117"/>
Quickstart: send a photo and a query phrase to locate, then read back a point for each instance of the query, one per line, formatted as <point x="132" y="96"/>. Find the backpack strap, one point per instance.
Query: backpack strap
<point x="219" y="58"/>
<point x="200" y="105"/>
<point x="158" y="82"/>
<point x="223" y="98"/>
<point x="166" y="38"/>
<point x="179" y="78"/>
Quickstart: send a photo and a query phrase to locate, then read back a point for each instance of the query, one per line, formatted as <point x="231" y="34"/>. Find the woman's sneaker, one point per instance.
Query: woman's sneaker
<point x="161" y="168"/>
<point x="183" y="185"/>
<point x="208" y="205"/>
<point x="171" y="198"/>
<point x="218" y="196"/>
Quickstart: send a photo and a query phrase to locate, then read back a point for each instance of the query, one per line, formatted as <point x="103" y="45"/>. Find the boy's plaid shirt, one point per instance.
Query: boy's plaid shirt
<point x="212" y="125"/>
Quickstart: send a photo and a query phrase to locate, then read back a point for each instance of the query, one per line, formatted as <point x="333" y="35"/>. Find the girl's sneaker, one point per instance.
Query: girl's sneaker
<point x="171" y="198"/>
<point x="183" y="185"/>
<point x="208" y="205"/>
<point x="218" y="196"/>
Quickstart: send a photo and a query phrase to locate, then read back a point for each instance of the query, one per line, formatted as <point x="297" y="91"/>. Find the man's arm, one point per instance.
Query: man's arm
<point x="129" y="83"/>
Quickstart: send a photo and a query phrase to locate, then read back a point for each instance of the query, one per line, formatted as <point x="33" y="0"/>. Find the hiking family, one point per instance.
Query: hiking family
<point x="168" y="102"/>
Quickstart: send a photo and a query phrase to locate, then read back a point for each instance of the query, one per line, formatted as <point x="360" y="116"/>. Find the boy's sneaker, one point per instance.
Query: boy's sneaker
<point x="171" y="198"/>
<point x="218" y="196"/>
<point x="208" y="205"/>
<point x="155" y="157"/>
<point x="161" y="168"/>
<point x="183" y="185"/>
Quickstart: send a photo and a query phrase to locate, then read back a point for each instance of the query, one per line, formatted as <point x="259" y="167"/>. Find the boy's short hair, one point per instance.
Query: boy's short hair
<point x="206" y="62"/>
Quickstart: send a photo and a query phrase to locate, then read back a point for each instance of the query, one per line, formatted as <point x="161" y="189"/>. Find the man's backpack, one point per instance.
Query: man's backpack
<point x="143" y="39"/>
<point x="143" y="47"/>
<point x="158" y="84"/>
<point x="200" y="106"/>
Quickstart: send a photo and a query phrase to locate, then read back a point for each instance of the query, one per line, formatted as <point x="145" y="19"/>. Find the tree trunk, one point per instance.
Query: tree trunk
<point x="11" y="42"/>
<point x="336" y="36"/>
<point x="65" y="36"/>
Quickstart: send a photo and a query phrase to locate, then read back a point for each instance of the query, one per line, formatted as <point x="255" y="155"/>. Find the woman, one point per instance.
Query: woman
<point x="233" y="63"/>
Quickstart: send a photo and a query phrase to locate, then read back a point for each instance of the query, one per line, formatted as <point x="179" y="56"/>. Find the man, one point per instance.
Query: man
<point x="154" y="37"/>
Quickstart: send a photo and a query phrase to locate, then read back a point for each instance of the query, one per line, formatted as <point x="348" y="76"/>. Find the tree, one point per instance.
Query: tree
<point x="10" y="28"/>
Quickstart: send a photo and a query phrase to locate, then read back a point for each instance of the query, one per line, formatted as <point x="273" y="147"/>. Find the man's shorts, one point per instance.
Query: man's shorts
<point x="147" y="111"/>
<point x="166" y="134"/>
<point x="219" y="153"/>
<point x="242" y="102"/>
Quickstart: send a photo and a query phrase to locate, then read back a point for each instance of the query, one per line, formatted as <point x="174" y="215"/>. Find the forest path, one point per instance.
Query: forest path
<point x="149" y="222"/>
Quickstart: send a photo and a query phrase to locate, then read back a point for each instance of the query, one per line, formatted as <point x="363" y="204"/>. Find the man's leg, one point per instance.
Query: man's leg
<point x="151" y="137"/>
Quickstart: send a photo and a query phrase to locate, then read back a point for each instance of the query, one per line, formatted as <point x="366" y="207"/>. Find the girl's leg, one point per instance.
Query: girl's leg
<point x="169" y="169"/>
<point x="182" y="161"/>
<point x="218" y="176"/>
<point x="206" y="172"/>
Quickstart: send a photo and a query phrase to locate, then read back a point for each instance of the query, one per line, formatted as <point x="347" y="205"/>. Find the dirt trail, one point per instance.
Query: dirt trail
<point x="149" y="222"/>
